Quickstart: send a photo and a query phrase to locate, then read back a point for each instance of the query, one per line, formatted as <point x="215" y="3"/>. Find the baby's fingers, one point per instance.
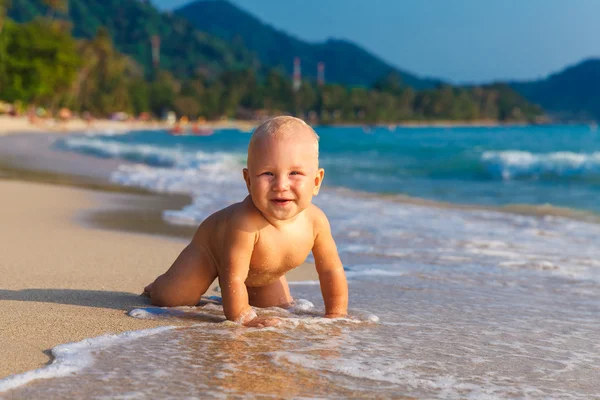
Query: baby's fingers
<point x="262" y="322"/>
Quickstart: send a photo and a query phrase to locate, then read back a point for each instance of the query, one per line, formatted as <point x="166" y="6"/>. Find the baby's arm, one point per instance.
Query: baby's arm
<point x="234" y="271"/>
<point x="329" y="267"/>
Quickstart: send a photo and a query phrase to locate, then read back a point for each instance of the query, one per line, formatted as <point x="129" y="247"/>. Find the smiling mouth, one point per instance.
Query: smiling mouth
<point x="281" y="202"/>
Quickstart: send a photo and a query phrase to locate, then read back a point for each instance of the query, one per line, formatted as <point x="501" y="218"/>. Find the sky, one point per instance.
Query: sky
<point x="460" y="41"/>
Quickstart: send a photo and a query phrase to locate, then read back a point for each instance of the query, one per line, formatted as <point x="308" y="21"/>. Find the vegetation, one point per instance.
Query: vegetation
<point x="131" y="24"/>
<point x="43" y="64"/>
<point x="570" y="95"/>
<point x="39" y="62"/>
<point x="345" y="62"/>
<point x="4" y="4"/>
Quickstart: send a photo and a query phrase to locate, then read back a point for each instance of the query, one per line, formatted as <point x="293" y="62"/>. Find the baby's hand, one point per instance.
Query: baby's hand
<point x="262" y="322"/>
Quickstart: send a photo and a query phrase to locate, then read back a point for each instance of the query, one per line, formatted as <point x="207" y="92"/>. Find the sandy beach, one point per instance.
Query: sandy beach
<point x="11" y="125"/>
<point x="452" y="301"/>
<point x="62" y="282"/>
<point x="73" y="265"/>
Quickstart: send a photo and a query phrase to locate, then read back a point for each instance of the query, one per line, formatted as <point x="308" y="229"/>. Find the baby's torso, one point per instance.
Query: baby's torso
<point x="277" y="250"/>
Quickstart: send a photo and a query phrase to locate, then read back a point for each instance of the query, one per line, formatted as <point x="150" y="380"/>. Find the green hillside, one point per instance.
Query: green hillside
<point x="570" y="95"/>
<point x="42" y="64"/>
<point x="131" y="23"/>
<point x="345" y="62"/>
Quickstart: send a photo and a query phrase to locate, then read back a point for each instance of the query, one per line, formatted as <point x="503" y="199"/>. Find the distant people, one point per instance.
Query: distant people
<point x="249" y="246"/>
<point x="144" y="117"/>
<point x="13" y="111"/>
<point x="198" y="130"/>
<point x="87" y="118"/>
<point x="177" y="129"/>
<point x="31" y="115"/>
<point x="64" y="115"/>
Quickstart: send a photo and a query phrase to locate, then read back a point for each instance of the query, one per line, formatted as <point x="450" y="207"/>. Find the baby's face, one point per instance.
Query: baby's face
<point x="283" y="175"/>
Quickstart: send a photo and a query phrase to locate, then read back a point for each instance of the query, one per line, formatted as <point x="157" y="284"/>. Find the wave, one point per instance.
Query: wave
<point x="71" y="358"/>
<point x="516" y="164"/>
<point x="210" y="173"/>
<point x="153" y="155"/>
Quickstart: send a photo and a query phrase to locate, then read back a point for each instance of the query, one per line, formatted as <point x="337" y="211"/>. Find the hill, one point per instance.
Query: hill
<point x="570" y="95"/>
<point x="345" y="62"/>
<point x="131" y="23"/>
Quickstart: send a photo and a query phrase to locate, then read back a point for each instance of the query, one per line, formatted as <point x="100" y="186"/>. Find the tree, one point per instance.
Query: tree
<point x="4" y="5"/>
<point x="40" y="62"/>
<point x="162" y="93"/>
<point x="391" y="83"/>
<point x="107" y="81"/>
<point x="61" y="6"/>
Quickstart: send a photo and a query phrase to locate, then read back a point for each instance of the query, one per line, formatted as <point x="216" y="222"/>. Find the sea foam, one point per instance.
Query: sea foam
<point x="71" y="358"/>
<point x="514" y="164"/>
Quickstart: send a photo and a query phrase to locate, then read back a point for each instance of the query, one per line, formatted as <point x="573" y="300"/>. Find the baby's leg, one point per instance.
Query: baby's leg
<point x="186" y="281"/>
<point x="276" y="294"/>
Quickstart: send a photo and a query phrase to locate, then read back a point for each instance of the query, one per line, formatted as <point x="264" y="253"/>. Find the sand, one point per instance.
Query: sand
<point x="63" y="279"/>
<point x="11" y="125"/>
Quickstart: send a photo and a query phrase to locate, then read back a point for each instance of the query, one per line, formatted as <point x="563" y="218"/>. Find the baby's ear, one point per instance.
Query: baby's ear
<point x="318" y="181"/>
<point x="246" y="178"/>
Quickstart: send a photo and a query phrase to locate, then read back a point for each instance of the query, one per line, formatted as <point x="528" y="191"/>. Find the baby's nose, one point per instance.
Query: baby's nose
<point x="281" y="183"/>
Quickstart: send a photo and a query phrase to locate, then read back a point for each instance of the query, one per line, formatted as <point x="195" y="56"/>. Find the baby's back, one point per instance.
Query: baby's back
<point x="277" y="249"/>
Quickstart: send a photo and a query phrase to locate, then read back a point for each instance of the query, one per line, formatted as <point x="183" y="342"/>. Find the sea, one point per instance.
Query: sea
<point x="472" y="261"/>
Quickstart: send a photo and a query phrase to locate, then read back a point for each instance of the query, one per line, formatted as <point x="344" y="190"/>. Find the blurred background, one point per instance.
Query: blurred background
<point x="505" y="95"/>
<point x="329" y="61"/>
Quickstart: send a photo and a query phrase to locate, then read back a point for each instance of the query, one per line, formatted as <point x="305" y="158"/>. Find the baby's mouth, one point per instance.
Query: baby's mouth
<point x="280" y="202"/>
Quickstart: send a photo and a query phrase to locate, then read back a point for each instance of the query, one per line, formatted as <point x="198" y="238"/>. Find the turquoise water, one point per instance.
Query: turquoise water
<point x="535" y="165"/>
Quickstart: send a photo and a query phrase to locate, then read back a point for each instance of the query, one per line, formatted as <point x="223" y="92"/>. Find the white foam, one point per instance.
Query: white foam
<point x="372" y="272"/>
<point x="299" y="283"/>
<point x="517" y="164"/>
<point x="73" y="357"/>
<point x="382" y="237"/>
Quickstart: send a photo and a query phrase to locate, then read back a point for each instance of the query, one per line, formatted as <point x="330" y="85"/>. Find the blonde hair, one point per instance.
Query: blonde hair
<point x="279" y="126"/>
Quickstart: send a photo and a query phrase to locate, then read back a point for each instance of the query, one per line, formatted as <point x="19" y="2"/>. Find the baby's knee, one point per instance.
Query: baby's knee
<point x="276" y="294"/>
<point x="163" y="294"/>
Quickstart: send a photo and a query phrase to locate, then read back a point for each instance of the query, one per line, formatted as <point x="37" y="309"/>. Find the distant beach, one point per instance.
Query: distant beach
<point x="11" y="125"/>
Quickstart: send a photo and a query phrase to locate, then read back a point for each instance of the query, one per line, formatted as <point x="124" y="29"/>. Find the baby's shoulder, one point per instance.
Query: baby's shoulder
<point x="315" y="212"/>
<point x="245" y="216"/>
<point x="317" y="218"/>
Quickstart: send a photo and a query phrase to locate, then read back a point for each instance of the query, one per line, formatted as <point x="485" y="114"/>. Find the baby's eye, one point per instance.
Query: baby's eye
<point x="295" y="173"/>
<point x="267" y="173"/>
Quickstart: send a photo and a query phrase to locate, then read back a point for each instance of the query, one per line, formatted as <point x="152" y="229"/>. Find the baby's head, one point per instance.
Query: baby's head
<point x="283" y="171"/>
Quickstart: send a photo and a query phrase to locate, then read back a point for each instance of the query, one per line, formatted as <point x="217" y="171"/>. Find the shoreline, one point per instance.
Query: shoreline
<point x="18" y="125"/>
<point x="64" y="281"/>
<point x="68" y="276"/>
<point x="78" y="252"/>
<point x="31" y="157"/>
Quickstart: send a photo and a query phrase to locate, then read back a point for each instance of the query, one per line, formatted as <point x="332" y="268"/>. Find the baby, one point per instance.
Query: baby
<point x="249" y="246"/>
